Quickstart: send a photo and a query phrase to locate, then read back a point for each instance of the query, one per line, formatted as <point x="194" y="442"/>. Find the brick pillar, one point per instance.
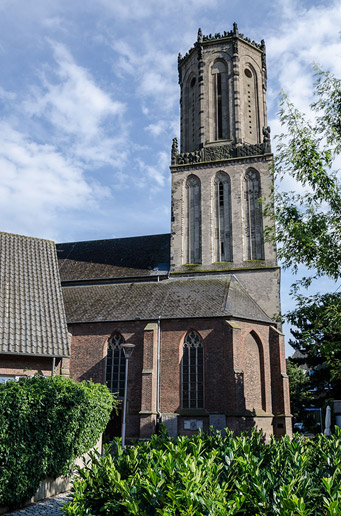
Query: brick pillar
<point x="149" y="381"/>
<point x="64" y="365"/>
<point x="279" y="384"/>
<point x="237" y="405"/>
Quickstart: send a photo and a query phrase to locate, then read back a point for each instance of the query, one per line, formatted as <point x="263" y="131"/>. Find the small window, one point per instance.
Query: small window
<point x="193" y="82"/>
<point x="116" y="365"/>
<point x="221" y="194"/>
<point x="248" y="73"/>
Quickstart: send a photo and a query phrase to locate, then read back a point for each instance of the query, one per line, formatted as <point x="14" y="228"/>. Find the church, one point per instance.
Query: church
<point x="200" y="303"/>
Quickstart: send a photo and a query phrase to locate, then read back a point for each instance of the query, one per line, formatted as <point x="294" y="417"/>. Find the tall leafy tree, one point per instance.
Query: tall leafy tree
<point x="308" y="226"/>
<point x="300" y="394"/>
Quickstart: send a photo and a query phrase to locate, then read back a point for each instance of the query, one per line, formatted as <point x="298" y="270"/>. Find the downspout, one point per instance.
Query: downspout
<point x="158" y="369"/>
<point x="53" y="365"/>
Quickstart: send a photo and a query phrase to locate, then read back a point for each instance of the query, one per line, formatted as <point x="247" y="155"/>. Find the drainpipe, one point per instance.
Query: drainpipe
<point x="53" y="365"/>
<point x="158" y="369"/>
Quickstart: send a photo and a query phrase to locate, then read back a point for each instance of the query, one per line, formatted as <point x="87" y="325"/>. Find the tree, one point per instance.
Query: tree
<point x="300" y="394"/>
<point x="308" y="226"/>
<point x="317" y="335"/>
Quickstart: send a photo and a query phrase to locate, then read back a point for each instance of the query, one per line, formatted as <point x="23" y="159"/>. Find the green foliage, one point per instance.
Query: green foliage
<point x="318" y="337"/>
<point x="300" y="394"/>
<point x="212" y="475"/>
<point x="45" y="423"/>
<point x="308" y="229"/>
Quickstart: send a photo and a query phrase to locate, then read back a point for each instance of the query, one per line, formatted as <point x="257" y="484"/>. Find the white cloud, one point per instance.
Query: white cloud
<point x="304" y="36"/>
<point x="156" y="9"/>
<point x="152" y="70"/>
<point x="154" y="176"/>
<point x="37" y="182"/>
<point x="77" y="108"/>
<point x="7" y="95"/>
<point x="158" y="128"/>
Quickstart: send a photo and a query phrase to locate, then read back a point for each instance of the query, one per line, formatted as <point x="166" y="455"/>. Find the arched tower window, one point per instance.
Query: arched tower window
<point x="253" y="216"/>
<point x="219" y="101"/>
<point x="223" y="221"/>
<point x="116" y="365"/>
<point x="251" y="106"/>
<point x="190" y="114"/>
<point x="193" y="222"/>
<point x="192" y="372"/>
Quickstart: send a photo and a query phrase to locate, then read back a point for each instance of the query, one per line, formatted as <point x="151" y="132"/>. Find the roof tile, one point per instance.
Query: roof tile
<point x="168" y="299"/>
<point x="31" y="303"/>
<point x="114" y="258"/>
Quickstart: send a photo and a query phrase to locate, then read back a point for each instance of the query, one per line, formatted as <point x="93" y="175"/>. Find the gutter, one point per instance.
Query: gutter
<point x="158" y="369"/>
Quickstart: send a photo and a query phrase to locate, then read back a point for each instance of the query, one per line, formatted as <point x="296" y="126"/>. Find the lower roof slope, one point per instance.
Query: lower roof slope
<point x="174" y="298"/>
<point x="32" y="317"/>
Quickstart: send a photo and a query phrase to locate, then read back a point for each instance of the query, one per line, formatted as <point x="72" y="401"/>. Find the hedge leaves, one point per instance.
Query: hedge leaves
<point x="45" y="424"/>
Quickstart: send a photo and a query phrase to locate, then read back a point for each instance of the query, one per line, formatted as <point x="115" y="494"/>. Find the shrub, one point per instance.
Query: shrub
<point x="212" y="475"/>
<point x="45" y="423"/>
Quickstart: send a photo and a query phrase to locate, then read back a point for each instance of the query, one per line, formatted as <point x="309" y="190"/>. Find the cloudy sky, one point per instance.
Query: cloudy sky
<point x="89" y="102"/>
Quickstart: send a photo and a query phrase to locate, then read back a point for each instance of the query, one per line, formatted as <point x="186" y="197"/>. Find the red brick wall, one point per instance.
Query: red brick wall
<point x="230" y="354"/>
<point x="26" y="365"/>
<point x="253" y="365"/>
<point x="89" y="349"/>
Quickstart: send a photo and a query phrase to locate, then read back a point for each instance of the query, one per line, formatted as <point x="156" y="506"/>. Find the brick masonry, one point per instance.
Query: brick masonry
<point x="240" y="380"/>
<point x="16" y="365"/>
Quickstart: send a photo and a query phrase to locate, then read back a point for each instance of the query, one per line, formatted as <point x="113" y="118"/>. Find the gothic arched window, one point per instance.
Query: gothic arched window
<point x="223" y="221"/>
<point x="253" y="216"/>
<point x="192" y="372"/>
<point x="116" y="365"/>
<point x="193" y="222"/>
<point x="220" y="100"/>
<point x="190" y="113"/>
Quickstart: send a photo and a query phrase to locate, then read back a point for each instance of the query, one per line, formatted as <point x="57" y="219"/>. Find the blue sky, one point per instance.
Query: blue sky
<point x="89" y="102"/>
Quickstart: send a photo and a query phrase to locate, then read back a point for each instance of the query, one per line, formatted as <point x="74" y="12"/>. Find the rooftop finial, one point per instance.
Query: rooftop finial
<point x="235" y="28"/>
<point x="199" y="36"/>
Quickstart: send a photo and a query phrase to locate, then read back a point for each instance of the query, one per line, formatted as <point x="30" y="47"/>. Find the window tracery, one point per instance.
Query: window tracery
<point x="193" y="226"/>
<point x="192" y="372"/>
<point x="220" y="100"/>
<point x="223" y="221"/>
<point x="116" y="365"/>
<point x="253" y="216"/>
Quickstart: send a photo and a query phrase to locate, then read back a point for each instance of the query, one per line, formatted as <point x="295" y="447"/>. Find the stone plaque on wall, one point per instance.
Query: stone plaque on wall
<point x="193" y="424"/>
<point x="171" y="423"/>
<point x="218" y="421"/>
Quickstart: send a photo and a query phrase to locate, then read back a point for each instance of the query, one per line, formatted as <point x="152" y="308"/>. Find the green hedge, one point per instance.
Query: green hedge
<point x="211" y="475"/>
<point x="45" y="423"/>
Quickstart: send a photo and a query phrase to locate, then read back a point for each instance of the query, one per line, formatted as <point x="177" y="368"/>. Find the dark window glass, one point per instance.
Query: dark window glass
<point x="115" y="370"/>
<point x="192" y="371"/>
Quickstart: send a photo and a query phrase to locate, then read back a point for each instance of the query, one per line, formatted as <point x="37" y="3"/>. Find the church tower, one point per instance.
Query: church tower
<point x="223" y="166"/>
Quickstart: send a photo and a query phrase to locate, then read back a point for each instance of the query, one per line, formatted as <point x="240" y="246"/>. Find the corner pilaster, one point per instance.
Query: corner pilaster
<point x="279" y="385"/>
<point x="149" y="381"/>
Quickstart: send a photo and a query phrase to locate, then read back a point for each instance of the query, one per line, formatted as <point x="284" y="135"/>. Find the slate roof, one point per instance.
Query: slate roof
<point x="114" y="258"/>
<point x="171" y="298"/>
<point x="32" y="317"/>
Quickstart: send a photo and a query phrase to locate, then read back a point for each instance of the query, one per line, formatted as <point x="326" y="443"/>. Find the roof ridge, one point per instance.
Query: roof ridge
<point x="109" y="239"/>
<point x="27" y="237"/>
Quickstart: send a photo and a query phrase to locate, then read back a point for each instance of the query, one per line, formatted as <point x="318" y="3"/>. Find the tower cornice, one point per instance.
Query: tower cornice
<point x="218" y="38"/>
<point x="222" y="162"/>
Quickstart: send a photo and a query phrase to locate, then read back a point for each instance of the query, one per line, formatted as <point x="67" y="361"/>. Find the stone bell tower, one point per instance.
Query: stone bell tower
<point x="223" y="166"/>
